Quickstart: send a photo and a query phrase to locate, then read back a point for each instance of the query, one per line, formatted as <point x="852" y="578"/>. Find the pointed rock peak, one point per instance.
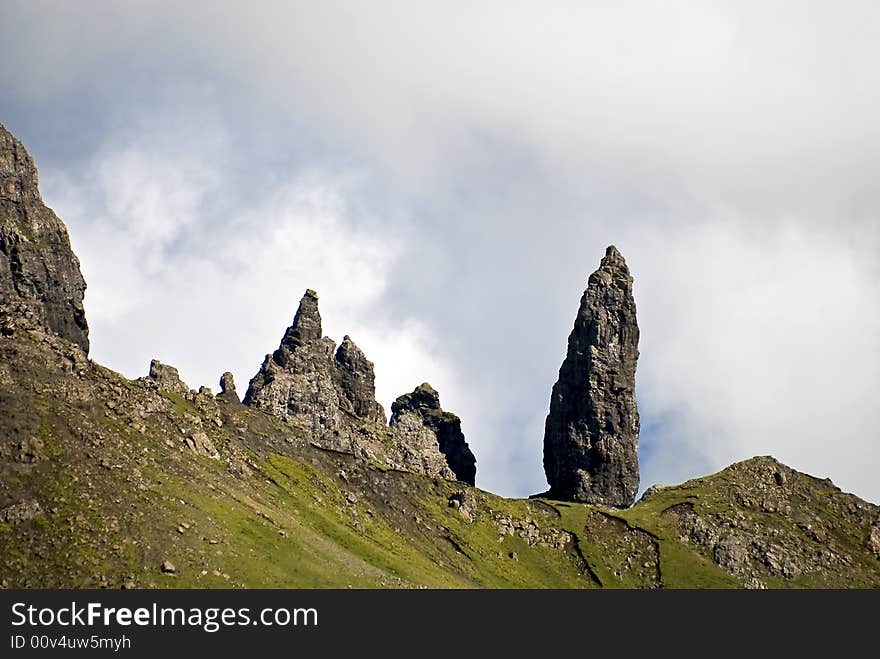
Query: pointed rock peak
<point x="613" y="258"/>
<point x="306" y="325"/>
<point x="612" y="270"/>
<point x="347" y="347"/>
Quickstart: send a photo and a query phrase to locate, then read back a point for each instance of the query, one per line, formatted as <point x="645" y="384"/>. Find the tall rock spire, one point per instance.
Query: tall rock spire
<point x="39" y="273"/>
<point x="592" y="431"/>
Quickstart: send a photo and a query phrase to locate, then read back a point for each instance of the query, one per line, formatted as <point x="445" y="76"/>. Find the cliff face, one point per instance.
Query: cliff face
<point x="40" y="280"/>
<point x="592" y="431"/>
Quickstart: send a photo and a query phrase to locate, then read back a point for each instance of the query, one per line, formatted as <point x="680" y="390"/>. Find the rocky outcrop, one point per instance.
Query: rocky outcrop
<point x="297" y="382"/>
<point x="167" y="378"/>
<point x="40" y="277"/>
<point x="418" y="420"/>
<point x="356" y="382"/>
<point x="776" y="524"/>
<point x="331" y="395"/>
<point x="227" y="388"/>
<point x="592" y="430"/>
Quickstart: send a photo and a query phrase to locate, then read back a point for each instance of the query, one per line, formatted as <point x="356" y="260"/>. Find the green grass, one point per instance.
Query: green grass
<point x="181" y="405"/>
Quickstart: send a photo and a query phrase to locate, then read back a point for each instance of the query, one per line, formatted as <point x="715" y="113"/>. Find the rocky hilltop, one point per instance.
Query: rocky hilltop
<point x="591" y="437"/>
<point x="148" y="483"/>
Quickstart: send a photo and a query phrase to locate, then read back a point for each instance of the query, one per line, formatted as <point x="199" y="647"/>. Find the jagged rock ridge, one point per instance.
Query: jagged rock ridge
<point x="591" y="433"/>
<point x="40" y="281"/>
<point x="296" y="383"/>
<point x="331" y="394"/>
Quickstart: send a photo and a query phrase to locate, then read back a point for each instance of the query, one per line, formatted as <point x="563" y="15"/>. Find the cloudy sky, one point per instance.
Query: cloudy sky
<point x="447" y="175"/>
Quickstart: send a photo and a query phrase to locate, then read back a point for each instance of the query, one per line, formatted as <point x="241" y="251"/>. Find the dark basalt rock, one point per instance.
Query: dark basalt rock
<point x="356" y="382"/>
<point x="423" y="404"/>
<point x="592" y="430"/>
<point x="39" y="273"/>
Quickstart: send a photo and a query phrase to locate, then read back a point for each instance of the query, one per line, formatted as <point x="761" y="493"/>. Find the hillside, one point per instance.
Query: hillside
<point x="102" y="485"/>
<point x="117" y="483"/>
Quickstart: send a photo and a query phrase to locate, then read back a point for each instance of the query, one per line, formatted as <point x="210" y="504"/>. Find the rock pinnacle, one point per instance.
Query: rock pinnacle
<point x="592" y="430"/>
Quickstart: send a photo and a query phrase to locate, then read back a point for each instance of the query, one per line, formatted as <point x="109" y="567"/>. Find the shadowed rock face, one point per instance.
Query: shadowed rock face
<point x="40" y="279"/>
<point x="356" y="382"/>
<point x="418" y="414"/>
<point x="591" y="433"/>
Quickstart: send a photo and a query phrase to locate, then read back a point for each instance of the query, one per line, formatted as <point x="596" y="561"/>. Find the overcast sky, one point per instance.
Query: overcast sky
<point x="447" y="176"/>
